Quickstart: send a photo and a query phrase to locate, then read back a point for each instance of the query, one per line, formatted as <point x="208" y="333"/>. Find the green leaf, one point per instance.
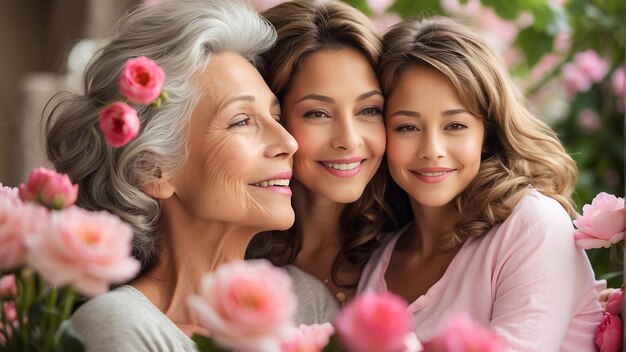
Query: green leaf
<point x="68" y="339"/>
<point x="413" y="8"/>
<point x="534" y="43"/>
<point x="361" y="5"/>
<point x="333" y="344"/>
<point x="205" y="344"/>
<point x="505" y="9"/>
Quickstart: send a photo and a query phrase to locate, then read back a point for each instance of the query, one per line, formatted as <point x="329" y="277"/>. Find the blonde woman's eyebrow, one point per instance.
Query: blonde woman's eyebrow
<point x="369" y="94"/>
<point x="408" y="113"/>
<point x="317" y="97"/>
<point x="454" y="112"/>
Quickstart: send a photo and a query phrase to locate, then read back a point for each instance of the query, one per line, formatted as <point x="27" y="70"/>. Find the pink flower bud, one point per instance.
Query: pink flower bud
<point x="8" y="288"/>
<point x="609" y="334"/>
<point x="376" y="322"/>
<point x="614" y="302"/>
<point x="119" y="123"/>
<point x="141" y="80"/>
<point x="49" y="188"/>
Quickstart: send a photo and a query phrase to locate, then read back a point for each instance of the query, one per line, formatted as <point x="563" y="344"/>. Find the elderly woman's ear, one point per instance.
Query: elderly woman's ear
<point x="160" y="188"/>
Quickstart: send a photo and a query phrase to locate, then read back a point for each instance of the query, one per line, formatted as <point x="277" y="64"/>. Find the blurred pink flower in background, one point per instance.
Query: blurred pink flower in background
<point x="308" y="338"/>
<point x="246" y="305"/>
<point x="141" y="80"/>
<point x="374" y="322"/>
<point x="89" y="250"/>
<point x="10" y="314"/>
<point x="384" y="21"/>
<point x="602" y="222"/>
<point x="609" y="334"/>
<point x="588" y="120"/>
<point x="462" y="334"/>
<point x="49" y="188"/>
<point x="18" y="221"/>
<point x="592" y="65"/>
<point x="262" y="5"/>
<point x="546" y="64"/>
<point x="8" y="287"/>
<point x="575" y="79"/>
<point x="379" y="6"/>
<point x="119" y="123"/>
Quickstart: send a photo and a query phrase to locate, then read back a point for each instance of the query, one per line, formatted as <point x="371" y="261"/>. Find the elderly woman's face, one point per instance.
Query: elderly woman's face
<point x="240" y="157"/>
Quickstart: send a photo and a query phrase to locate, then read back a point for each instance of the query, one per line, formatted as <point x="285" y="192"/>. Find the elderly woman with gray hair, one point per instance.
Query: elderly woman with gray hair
<point x="194" y="182"/>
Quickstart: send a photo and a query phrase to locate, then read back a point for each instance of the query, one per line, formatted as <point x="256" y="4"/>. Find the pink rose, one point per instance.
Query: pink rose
<point x="602" y="222"/>
<point x="375" y="322"/>
<point x="119" y="123"/>
<point x="18" y="221"/>
<point x="308" y="338"/>
<point x="246" y="305"/>
<point x="609" y="334"/>
<point x="89" y="250"/>
<point x="141" y="80"/>
<point x="49" y="188"/>
<point x="614" y="302"/>
<point x="8" y="288"/>
<point x="462" y="334"/>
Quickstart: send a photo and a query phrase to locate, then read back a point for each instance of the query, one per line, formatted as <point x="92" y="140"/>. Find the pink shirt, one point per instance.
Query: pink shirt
<point x="525" y="279"/>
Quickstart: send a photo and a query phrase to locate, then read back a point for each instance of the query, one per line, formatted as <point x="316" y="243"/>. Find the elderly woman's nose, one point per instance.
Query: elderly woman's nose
<point x="280" y="142"/>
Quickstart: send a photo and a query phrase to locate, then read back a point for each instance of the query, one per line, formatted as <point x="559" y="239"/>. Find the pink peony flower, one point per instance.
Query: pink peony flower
<point x="141" y="80"/>
<point x="17" y="222"/>
<point x="375" y="322"/>
<point x="592" y="65"/>
<point x="8" y="287"/>
<point x="119" y="123"/>
<point x="614" y="302"/>
<point x="89" y="250"/>
<point x="49" y="188"/>
<point x="308" y="338"/>
<point x="247" y="305"/>
<point x="461" y="334"/>
<point x="602" y="222"/>
<point x="411" y="343"/>
<point x="609" y="334"/>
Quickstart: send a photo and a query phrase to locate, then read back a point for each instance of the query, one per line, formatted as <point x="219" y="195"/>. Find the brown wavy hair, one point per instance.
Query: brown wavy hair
<point x="305" y="27"/>
<point x="519" y="151"/>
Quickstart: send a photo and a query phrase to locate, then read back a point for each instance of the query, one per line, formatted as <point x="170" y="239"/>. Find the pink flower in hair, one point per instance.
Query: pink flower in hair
<point x="141" y="80"/>
<point x="119" y="123"/>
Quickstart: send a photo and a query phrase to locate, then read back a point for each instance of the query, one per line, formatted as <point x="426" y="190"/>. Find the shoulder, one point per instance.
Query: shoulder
<point x="122" y="319"/>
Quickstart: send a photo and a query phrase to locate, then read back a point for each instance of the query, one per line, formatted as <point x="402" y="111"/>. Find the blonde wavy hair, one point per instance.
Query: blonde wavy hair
<point x="305" y="27"/>
<point x="180" y="36"/>
<point x="519" y="151"/>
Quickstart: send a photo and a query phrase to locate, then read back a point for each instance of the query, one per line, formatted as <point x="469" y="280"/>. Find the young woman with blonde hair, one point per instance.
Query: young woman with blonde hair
<point x="322" y="71"/>
<point x="489" y="185"/>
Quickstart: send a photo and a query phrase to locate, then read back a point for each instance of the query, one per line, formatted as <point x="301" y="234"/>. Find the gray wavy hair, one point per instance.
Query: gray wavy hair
<point x="180" y="36"/>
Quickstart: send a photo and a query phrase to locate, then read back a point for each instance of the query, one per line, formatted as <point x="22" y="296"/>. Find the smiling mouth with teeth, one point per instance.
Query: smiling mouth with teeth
<point x="432" y="174"/>
<point x="270" y="183"/>
<point x="342" y="167"/>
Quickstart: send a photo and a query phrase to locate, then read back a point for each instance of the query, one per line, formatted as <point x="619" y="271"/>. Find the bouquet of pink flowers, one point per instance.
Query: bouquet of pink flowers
<point x="50" y="251"/>
<point x="243" y="313"/>
<point x="602" y="225"/>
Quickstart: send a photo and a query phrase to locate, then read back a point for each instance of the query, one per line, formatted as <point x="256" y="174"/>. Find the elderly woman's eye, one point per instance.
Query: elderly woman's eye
<point x="244" y="120"/>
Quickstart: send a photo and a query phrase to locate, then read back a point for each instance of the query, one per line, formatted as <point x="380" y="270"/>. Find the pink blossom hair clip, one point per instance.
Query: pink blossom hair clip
<point x="141" y="82"/>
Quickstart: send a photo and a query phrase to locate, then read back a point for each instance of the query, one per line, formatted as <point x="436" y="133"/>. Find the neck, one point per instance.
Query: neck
<point x="189" y="247"/>
<point x="430" y="226"/>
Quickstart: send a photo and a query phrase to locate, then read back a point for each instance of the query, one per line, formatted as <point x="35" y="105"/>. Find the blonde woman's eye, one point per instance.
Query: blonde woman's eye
<point x="372" y="111"/>
<point x="456" y="126"/>
<point x="406" y="128"/>
<point x="316" y="114"/>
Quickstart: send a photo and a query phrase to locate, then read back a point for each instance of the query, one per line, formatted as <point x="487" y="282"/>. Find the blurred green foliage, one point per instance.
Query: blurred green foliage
<point x="598" y="25"/>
